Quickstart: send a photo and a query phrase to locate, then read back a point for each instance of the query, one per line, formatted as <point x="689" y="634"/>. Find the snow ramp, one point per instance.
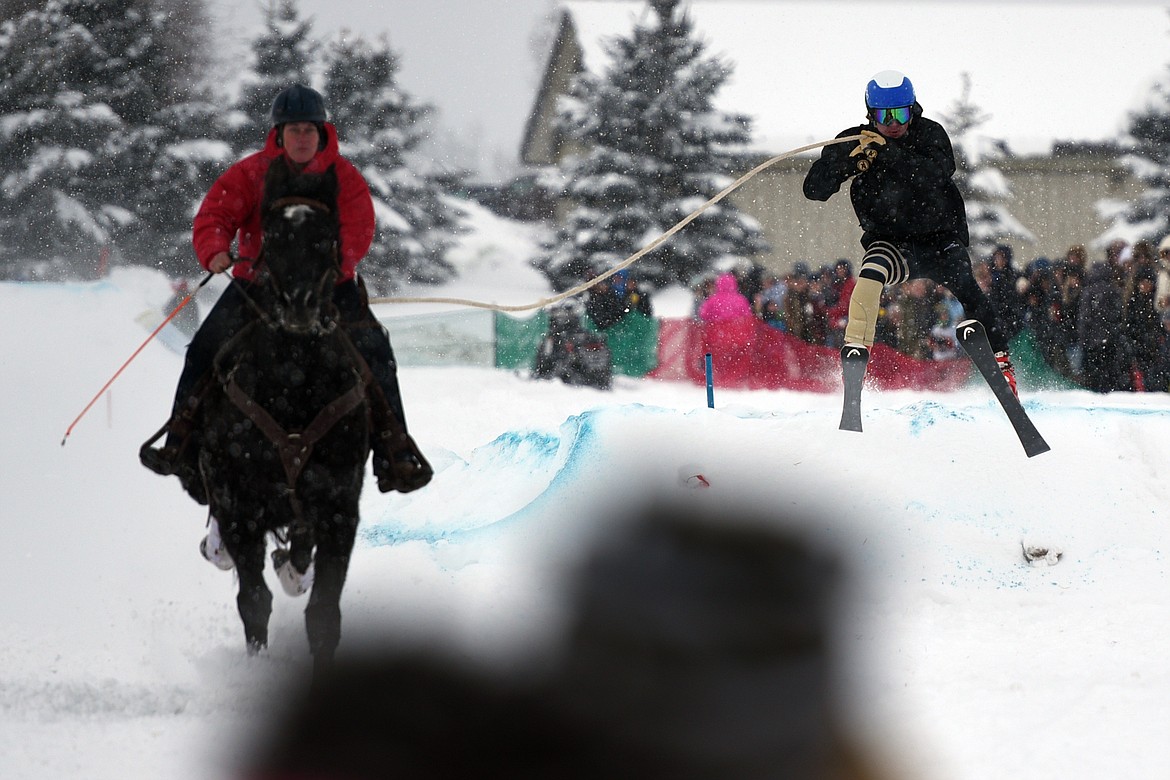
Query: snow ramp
<point x="544" y="481"/>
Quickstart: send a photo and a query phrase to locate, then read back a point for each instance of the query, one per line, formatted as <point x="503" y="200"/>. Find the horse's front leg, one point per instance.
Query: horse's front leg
<point x="254" y="599"/>
<point x="323" y="613"/>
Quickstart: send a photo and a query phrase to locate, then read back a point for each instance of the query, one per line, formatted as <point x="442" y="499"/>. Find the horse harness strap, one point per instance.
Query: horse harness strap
<point x="296" y="447"/>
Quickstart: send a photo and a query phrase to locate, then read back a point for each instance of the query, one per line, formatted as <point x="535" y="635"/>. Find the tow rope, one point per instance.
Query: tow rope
<point x="540" y="304"/>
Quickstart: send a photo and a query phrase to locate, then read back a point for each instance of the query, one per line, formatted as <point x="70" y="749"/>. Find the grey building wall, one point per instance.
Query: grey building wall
<point x="1053" y="197"/>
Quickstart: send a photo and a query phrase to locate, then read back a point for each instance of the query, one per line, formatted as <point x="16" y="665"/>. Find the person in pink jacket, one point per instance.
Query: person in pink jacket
<point x="728" y="331"/>
<point x="726" y="303"/>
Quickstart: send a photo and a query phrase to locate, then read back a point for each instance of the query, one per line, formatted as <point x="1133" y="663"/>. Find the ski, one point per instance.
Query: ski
<point x="973" y="339"/>
<point x="853" y="360"/>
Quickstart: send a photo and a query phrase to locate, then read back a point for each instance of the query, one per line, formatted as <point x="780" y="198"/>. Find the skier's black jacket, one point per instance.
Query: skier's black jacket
<point x="907" y="193"/>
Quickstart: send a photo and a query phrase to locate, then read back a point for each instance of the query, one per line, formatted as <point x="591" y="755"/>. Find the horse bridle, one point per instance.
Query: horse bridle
<point x="271" y="279"/>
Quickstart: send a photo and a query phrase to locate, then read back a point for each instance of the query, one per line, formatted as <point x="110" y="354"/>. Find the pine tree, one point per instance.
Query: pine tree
<point x="654" y="150"/>
<point x="379" y="125"/>
<point x="50" y="134"/>
<point x="1148" y="160"/>
<point x="83" y="87"/>
<point x="167" y="165"/>
<point x="159" y="166"/>
<point x="984" y="187"/>
<point x="283" y="55"/>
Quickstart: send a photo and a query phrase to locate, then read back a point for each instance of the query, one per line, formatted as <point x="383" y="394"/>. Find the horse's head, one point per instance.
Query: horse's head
<point x="301" y="265"/>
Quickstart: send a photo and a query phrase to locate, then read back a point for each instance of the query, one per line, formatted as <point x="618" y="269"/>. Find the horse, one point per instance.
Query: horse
<point x="285" y="435"/>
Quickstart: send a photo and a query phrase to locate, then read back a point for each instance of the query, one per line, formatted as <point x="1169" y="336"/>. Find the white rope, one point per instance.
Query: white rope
<point x="637" y="255"/>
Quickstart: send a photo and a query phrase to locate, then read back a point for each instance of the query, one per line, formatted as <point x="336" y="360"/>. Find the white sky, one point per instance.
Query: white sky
<point x="476" y="61"/>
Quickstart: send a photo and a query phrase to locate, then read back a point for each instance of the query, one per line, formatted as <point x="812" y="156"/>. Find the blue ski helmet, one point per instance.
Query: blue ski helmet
<point x="889" y="89"/>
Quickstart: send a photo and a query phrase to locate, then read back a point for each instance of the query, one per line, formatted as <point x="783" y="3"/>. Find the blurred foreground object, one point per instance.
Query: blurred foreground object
<point x="697" y="647"/>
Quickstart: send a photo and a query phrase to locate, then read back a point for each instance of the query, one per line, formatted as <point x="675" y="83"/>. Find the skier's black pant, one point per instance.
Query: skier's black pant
<point x="232" y="312"/>
<point x="944" y="261"/>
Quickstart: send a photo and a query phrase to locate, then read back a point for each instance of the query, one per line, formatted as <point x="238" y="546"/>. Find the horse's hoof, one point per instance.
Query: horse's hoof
<point x="293" y="582"/>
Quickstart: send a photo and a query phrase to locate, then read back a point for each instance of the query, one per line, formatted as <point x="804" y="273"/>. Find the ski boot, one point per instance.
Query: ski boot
<point x="1005" y="365"/>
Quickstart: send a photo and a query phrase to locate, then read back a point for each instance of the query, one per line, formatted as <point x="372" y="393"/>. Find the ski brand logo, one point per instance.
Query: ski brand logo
<point x="967" y="331"/>
<point x="854" y="352"/>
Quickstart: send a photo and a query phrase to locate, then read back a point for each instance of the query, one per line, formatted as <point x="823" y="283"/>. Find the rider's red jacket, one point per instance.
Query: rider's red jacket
<point x="232" y="207"/>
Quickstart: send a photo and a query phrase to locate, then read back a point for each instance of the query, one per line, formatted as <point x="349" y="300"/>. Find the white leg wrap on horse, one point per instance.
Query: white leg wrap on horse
<point x="213" y="549"/>
<point x="213" y="538"/>
<point x="294" y="582"/>
<point x="864" y="305"/>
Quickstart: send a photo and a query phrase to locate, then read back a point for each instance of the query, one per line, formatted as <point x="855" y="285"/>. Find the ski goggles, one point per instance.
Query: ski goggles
<point x="888" y="116"/>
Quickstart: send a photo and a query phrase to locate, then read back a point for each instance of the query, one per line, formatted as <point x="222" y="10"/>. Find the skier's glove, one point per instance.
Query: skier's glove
<point x="866" y="149"/>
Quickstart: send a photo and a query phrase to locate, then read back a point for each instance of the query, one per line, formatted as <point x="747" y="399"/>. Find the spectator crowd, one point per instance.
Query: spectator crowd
<point x="1103" y="325"/>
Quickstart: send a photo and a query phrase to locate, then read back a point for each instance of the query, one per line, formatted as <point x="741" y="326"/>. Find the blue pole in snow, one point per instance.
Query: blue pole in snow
<point x="710" y="382"/>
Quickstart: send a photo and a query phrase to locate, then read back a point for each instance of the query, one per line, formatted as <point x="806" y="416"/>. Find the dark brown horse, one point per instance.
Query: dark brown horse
<point x="283" y="446"/>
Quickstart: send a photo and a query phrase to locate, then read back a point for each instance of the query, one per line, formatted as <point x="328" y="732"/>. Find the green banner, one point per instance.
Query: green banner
<point x="633" y="342"/>
<point x="1032" y="370"/>
<point x="517" y="339"/>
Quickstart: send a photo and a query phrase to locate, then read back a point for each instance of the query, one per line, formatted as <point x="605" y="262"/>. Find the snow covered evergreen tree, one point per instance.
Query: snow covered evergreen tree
<point x="158" y="168"/>
<point x="1147" y="158"/>
<point x="654" y="150"/>
<point x="283" y="55"/>
<point x="49" y="136"/>
<point x="166" y="166"/>
<point x="984" y="187"/>
<point x="81" y="83"/>
<point x="379" y="125"/>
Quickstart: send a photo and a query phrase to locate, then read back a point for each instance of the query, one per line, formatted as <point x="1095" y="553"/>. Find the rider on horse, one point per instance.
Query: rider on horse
<point x="302" y="139"/>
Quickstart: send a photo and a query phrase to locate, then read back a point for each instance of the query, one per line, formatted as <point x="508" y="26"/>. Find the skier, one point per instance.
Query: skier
<point x="910" y="210"/>
<point x="301" y="138"/>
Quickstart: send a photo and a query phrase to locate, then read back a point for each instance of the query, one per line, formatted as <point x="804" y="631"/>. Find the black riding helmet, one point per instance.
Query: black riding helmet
<point x="299" y="103"/>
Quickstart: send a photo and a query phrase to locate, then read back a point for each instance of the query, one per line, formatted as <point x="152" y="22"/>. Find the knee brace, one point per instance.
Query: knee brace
<point x="864" y="305"/>
<point x="883" y="264"/>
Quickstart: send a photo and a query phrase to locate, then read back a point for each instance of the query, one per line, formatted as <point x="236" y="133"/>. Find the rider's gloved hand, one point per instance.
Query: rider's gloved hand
<point x="867" y="149"/>
<point x="220" y="263"/>
<point x="868" y="137"/>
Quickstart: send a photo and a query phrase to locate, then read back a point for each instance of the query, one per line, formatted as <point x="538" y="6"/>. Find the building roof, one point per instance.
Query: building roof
<point x="1042" y="72"/>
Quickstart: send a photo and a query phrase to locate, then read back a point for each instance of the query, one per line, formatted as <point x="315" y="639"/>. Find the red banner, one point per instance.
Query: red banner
<point x="748" y="354"/>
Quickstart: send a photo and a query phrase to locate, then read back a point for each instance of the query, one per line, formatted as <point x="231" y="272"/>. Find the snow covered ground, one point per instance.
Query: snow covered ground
<point x="122" y="656"/>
